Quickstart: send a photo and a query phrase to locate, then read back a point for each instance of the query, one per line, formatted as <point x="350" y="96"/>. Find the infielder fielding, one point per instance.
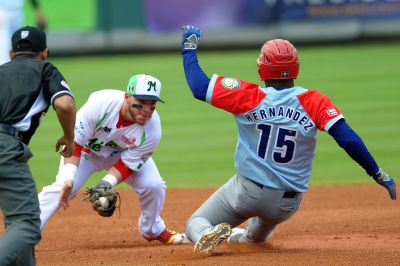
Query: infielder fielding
<point x="277" y="126"/>
<point x="117" y="132"/>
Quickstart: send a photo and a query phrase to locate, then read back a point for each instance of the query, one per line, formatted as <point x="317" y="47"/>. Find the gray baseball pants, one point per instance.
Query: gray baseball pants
<point x="239" y="200"/>
<point x="19" y="203"/>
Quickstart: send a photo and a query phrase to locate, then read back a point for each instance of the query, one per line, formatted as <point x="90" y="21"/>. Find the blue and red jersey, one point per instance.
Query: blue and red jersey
<point x="276" y="129"/>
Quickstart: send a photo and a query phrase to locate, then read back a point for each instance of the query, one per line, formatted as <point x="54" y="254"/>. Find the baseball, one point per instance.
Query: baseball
<point x="104" y="202"/>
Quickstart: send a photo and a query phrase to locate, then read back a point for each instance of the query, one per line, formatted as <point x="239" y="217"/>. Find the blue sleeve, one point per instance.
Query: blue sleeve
<point x="195" y="77"/>
<point x="354" y="146"/>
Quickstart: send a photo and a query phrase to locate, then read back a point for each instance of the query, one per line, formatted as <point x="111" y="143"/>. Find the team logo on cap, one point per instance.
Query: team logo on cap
<point x="24" y="34"/>
<point x="131" y="89"/>
<point x="230" y="83"/>
<point x="285" y="74"/>
<point x="152" y="85"/>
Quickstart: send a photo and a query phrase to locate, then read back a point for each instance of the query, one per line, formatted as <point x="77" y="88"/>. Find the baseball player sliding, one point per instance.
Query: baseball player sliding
<point x="117" y="132"/>
<point x="277" y="127"/>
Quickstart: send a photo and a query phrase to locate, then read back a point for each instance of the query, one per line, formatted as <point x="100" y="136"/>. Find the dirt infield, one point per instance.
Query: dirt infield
<point x="344" y="225"/>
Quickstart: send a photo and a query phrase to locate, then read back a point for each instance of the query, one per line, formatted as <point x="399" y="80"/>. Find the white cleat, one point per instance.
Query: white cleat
<point x="237" y="237"/>
<point x="210" y="240"/>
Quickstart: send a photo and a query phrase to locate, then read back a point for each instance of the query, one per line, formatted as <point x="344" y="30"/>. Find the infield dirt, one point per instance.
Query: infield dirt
<point x="336" y="225"/>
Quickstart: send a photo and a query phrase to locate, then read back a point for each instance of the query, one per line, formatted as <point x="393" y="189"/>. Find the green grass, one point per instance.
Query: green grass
<point x="64" y="15"/>
<point x="198" y="141"/>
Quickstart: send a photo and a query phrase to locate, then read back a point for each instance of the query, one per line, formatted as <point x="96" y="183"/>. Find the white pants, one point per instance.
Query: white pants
<point x="147" y="183"/>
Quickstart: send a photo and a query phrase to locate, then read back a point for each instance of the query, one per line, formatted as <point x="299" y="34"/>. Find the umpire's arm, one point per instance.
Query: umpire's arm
<point x="66" y="113"/>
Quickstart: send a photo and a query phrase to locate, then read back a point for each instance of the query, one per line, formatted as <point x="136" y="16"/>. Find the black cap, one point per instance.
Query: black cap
<point x="28" y="39"/>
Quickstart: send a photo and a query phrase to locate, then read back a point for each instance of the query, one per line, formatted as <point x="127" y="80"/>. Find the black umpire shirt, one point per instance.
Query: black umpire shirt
<point x="28" y="87"/>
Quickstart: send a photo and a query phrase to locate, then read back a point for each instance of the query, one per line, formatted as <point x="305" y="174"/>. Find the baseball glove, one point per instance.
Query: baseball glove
<point x="103" y="189"/>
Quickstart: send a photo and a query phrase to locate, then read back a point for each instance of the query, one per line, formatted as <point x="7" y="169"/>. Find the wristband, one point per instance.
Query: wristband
<point x="381" y="176"/>
<point x="111" y="179"/>
<point x="68" y="171"/>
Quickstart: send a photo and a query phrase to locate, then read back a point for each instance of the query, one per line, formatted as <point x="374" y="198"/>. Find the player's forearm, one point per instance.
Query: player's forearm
<point x="118" y="173"/>
<point x="354" y="146"/>
<point x="70" y="167"/>
<point x="113" y="177"/>
<point x="197" y="80"/>
<point x="66" y="113"/>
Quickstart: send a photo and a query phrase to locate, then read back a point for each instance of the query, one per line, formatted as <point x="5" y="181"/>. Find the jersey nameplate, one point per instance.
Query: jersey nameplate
<point x="280" y="111"/>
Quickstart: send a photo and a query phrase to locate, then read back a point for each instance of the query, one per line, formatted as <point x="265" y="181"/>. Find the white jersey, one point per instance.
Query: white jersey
<point x="96" y="129"/>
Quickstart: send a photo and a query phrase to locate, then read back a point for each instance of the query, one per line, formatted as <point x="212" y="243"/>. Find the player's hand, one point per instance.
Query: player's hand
<point x="65" y="147"/>
<point x="190" y="37"/>
<point x="387" y="182"/>
<point x="65" y="193"/>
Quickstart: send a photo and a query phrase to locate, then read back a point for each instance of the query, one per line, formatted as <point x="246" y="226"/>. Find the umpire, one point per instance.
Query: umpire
<point x="28" y="86"/>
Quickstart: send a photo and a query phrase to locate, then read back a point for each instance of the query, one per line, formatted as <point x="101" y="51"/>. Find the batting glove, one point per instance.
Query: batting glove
<point x="190" y="37"/>
<point x="387" y="182"/>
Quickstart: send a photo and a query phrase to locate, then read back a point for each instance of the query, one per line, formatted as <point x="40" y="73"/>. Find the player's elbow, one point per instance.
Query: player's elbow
<point x="198" y="91"/>
<point x="199" y="96"/>
<point x="64" y="104"/>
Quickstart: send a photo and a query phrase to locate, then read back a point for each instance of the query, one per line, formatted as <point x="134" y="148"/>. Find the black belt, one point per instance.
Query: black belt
<point x="290" y="194"/>
<point x="287" y="194"/>
<point x="9" y="130"/>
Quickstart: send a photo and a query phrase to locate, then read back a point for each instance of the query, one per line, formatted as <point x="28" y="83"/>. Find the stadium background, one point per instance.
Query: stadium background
<point x="348" y="50"/>
<point x="92" y="26"/>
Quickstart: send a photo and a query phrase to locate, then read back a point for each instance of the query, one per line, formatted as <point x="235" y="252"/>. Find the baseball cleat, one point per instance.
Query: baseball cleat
<point x="237" y="237"/>
<point x="169" y="237"/>
<point x="210" y="240"/>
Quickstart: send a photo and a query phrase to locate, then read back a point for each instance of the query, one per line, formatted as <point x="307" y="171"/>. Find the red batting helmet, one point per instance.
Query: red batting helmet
<point x="278" y="60"/>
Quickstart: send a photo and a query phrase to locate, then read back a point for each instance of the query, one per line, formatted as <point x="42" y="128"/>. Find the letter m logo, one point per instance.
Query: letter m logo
<point x="152" y="85"/>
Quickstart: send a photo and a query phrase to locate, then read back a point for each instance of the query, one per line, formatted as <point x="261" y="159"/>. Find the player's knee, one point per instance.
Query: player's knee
<point x="156" y="187"/>
<point x="28" y="229"/>
<point x="196" y="226"/>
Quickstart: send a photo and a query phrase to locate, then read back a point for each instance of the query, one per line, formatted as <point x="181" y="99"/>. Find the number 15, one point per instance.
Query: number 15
<point x="285" y="143"/>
